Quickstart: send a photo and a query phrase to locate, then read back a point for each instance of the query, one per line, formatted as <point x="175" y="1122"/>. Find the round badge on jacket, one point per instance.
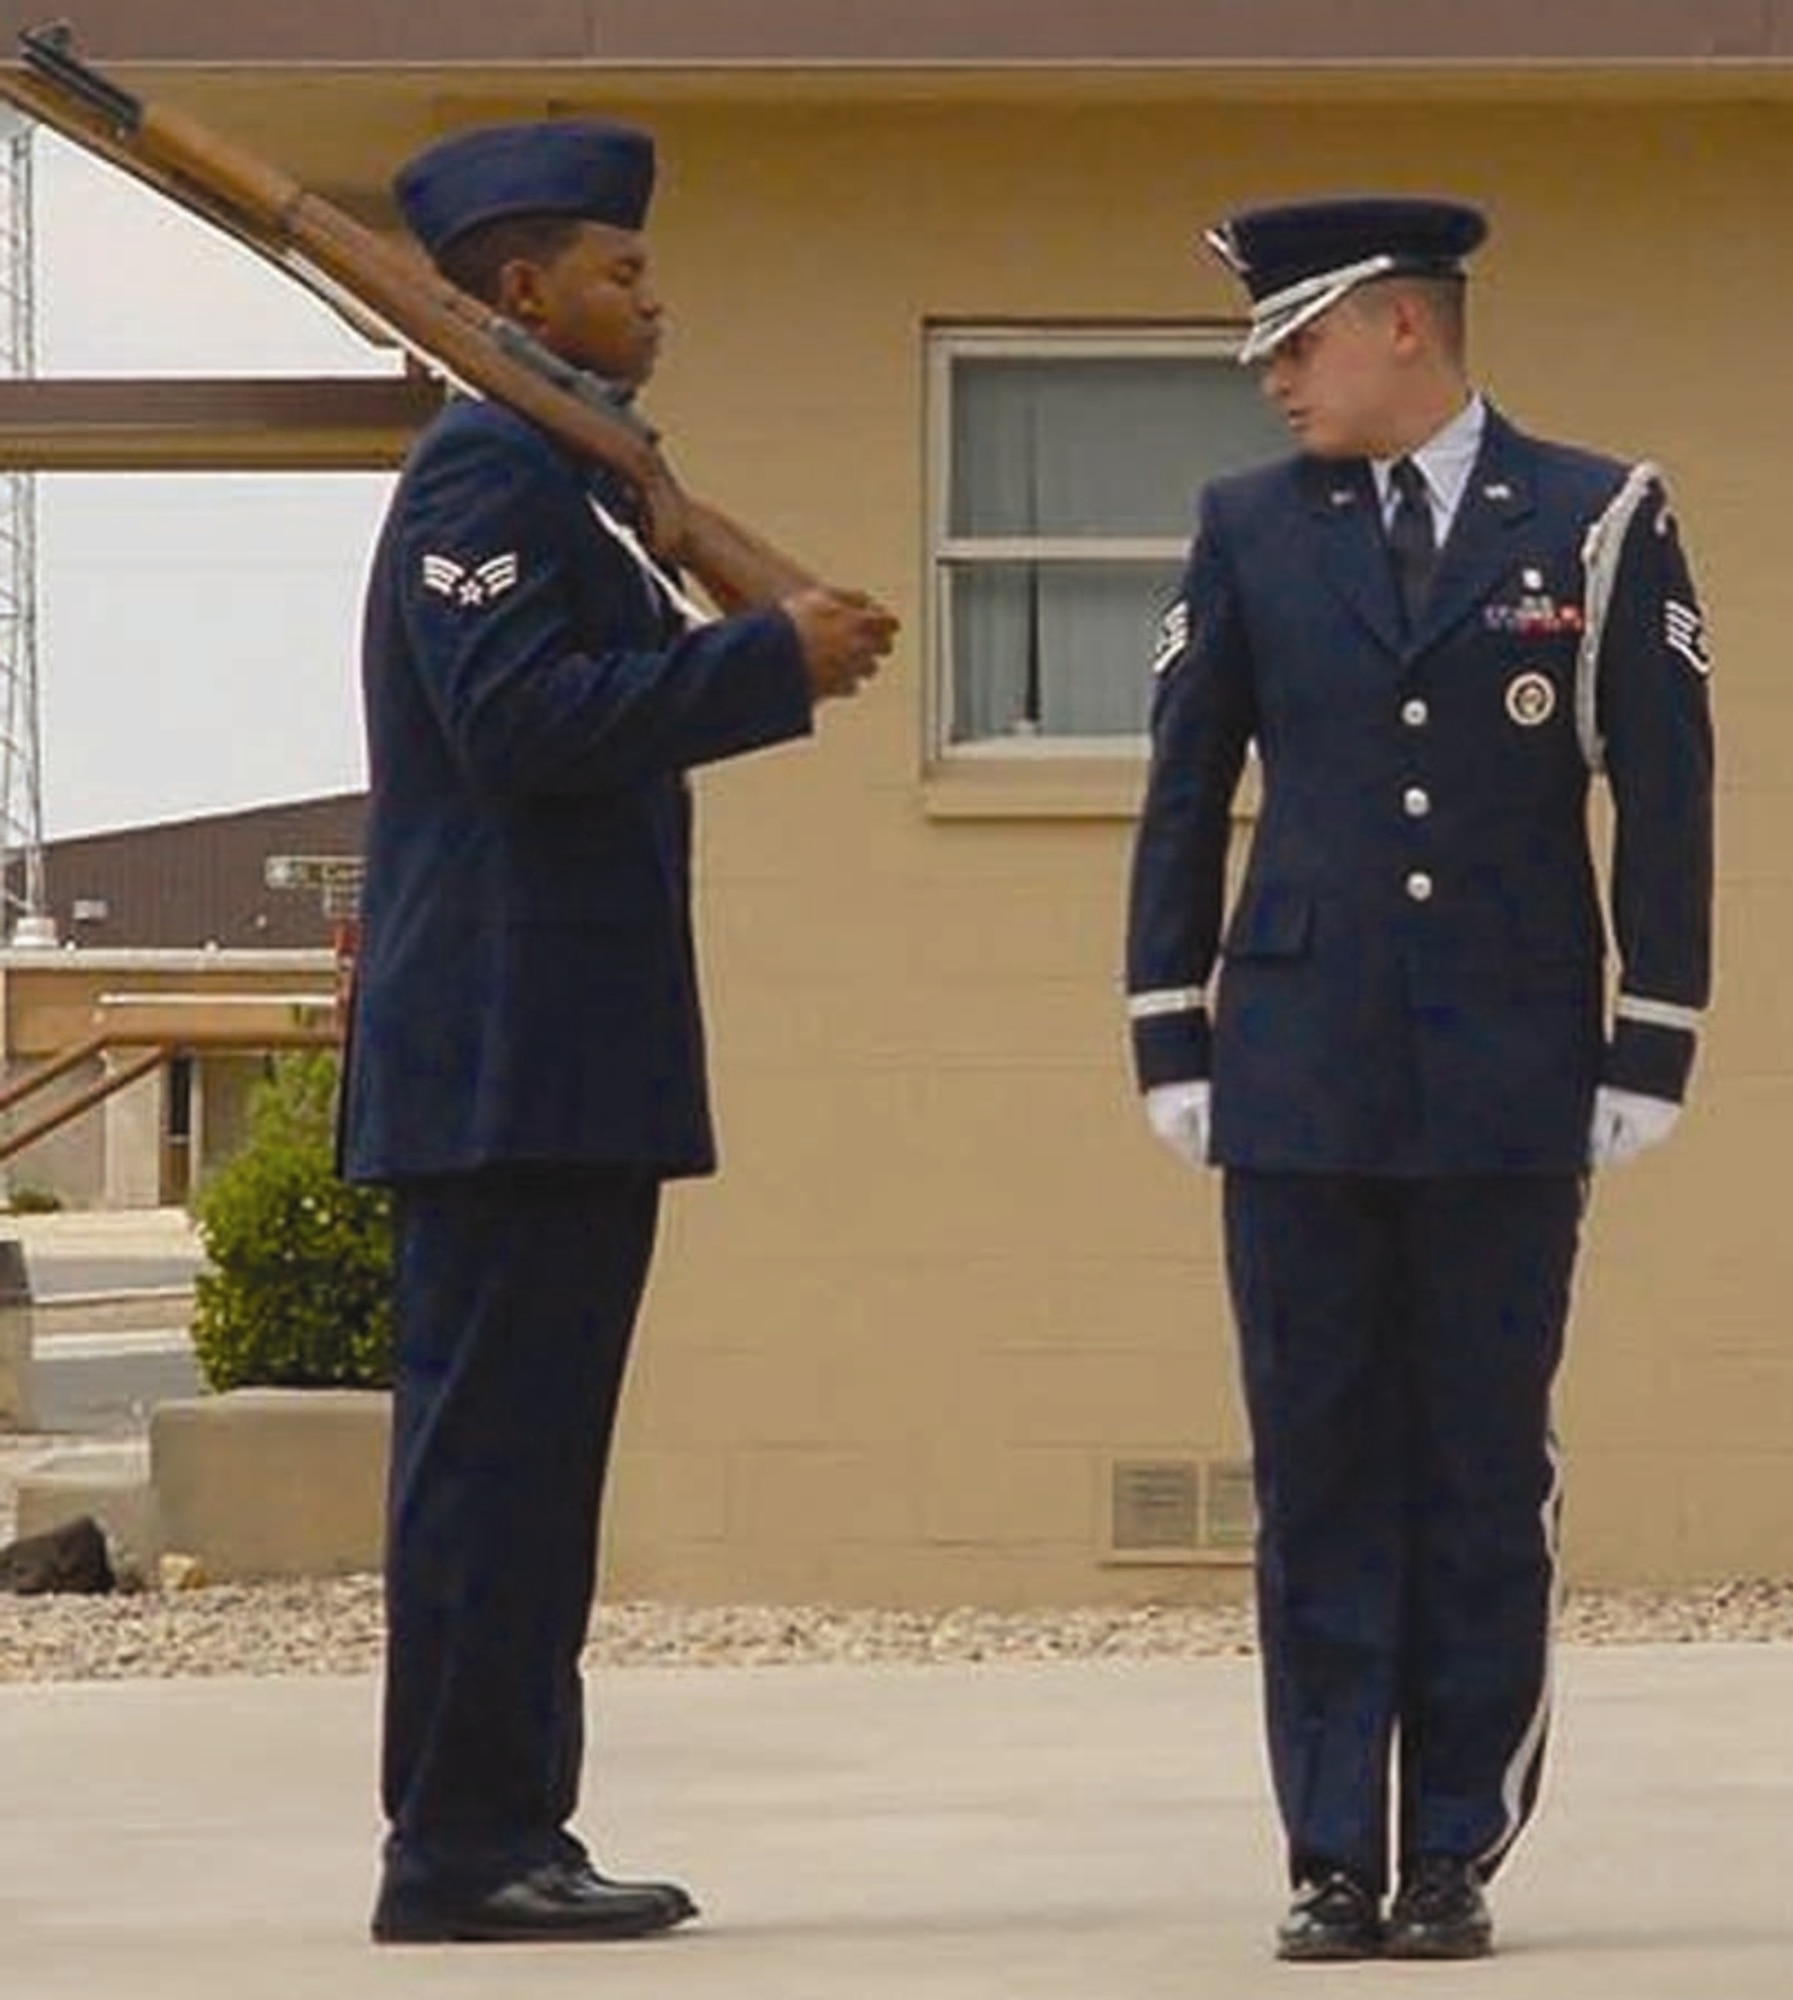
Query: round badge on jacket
<point x="1531" y="699"/>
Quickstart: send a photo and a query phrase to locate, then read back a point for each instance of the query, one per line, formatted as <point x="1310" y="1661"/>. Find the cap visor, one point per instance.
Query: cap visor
<point x="1269" y="330"/>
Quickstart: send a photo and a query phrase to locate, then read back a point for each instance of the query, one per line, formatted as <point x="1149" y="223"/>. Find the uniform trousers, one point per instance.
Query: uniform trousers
<point x="517" y="1291"/>
<point x="1398" y="1342"/>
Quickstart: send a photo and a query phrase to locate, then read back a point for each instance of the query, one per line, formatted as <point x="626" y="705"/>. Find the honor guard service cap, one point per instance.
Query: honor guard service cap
<point x="1298" y="260"/>
<point x="585" y="167"/>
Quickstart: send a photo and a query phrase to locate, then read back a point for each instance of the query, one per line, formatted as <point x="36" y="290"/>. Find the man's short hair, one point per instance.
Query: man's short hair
<point x="475" y="259"/>
<point x="1446" y="300"/>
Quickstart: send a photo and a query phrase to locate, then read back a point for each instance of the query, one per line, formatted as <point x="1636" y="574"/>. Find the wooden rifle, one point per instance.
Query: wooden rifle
<point x="389" y="295"/>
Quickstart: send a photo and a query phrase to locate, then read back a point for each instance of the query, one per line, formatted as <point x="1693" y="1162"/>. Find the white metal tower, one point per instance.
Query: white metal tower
<point x="22" y="915"/>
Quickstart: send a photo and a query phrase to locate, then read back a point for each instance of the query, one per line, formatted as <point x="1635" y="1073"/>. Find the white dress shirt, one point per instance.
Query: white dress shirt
<point x="1445" y="460"/>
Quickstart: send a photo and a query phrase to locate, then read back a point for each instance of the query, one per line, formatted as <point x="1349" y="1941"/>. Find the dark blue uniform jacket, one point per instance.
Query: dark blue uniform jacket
<point x="1413" y="976"/>
<point x="526" y="987"/>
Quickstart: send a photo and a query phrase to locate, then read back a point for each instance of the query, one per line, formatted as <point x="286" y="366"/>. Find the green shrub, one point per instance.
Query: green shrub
<point x="299" y="1289"/>
<point x="28" y="1198"/>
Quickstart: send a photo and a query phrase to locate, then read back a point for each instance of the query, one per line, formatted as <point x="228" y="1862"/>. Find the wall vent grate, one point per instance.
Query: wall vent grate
<point x="1155" y="1506"/>
<point x="1230" y="1509"/>
<point x="1179" y="1510"/>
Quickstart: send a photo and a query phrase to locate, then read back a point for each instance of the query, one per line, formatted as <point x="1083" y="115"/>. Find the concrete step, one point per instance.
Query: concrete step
<point x="273" y="1482"/>
<point x="110" y="1481"/>
<point x="250" y="1484"/>
<point x="165" y="1307"/>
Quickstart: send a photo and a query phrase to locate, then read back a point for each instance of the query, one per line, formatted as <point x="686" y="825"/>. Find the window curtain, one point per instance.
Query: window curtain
<point x="1065" y="447"/>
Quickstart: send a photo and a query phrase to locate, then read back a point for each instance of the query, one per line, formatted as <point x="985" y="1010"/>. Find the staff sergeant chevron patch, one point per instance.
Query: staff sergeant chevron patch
<point x="1685" y="631"/>
<point x="1173" y="637"/>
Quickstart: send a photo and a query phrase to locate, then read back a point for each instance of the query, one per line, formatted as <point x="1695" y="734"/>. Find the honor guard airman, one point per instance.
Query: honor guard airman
<point x="526" y="1064"/>
<point x="1403" y="1042"/>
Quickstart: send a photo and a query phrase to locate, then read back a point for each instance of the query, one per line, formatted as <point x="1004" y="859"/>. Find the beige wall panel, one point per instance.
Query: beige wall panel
<point x="670" y="1496"/>
<point x="1013" y="1577"/>
<point x="990" y="1160"/>
<point x="1735" y="1516"/>
<point x="915" y="1576"/>
<point x="779" y="1396"/>
<point x="1660" y="1518"/>
<point x="788" y="1497"/>
<point x="821" y="1355"/>
<point x="1011" y="1497"/>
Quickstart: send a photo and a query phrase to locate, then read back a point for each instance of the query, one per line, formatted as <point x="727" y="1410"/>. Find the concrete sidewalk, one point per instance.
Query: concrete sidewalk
<point x="935" y="1833"/>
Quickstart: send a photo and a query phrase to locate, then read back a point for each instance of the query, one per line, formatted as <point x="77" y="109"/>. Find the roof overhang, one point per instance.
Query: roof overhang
<point x="798" y="33"/>
<point x="338" y="91"/>
<point x="230" y="424"/>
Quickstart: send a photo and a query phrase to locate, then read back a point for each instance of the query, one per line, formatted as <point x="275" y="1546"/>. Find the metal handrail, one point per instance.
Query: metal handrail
<point x="83" y="1100"/>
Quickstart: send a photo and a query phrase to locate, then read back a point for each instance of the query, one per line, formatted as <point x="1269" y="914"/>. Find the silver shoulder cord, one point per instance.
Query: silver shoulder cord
<point x="687" y="607"/>
<point x="1601" y="548"/>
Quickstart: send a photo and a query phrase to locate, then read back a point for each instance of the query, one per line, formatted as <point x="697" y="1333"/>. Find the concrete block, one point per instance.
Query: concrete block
<point x="273" y="1482"/>
<point x="111" y="1482"/>
<point x="161" y="1308"/>
<point x="15" y="1339"/>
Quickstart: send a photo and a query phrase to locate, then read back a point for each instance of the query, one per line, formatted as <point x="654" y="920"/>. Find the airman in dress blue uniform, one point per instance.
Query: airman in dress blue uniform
<point x="526" y="1063"/>
<point x="1402" y="1041"/>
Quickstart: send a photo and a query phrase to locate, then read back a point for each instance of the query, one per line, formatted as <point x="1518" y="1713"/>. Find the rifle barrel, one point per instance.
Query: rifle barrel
<point x="51" y="52"/>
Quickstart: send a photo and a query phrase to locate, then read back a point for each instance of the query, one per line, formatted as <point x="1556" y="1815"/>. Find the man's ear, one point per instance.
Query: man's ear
<point x="520" y="292"/>
<point x="1408" y="321"/>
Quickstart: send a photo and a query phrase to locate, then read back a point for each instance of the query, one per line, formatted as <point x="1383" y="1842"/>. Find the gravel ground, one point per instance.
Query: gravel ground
<point x="334" y="1628"/>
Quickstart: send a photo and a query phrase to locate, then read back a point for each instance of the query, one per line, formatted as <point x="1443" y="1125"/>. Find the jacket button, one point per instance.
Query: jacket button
<point x="1416" y="802"/>
<point x="1415" y="713"/>
<point x="1419" y="886"/>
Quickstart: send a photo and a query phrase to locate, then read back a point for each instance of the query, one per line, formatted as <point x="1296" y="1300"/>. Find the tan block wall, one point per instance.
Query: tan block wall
<point x="946" y="1274"/>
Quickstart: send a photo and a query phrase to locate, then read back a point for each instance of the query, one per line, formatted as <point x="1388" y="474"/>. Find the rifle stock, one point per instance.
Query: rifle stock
<point x="386" y="291"/>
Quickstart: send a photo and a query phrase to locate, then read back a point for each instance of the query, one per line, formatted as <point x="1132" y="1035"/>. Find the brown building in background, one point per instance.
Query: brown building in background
<point x="950" y="1326"/>
<point x="200" y="884"/>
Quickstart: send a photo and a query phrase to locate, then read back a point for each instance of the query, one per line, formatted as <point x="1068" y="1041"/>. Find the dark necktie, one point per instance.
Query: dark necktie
<point x="1410" y="540"/>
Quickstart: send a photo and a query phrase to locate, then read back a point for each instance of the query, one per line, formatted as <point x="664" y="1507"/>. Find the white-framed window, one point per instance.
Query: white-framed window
<point x="1063" y="468"/>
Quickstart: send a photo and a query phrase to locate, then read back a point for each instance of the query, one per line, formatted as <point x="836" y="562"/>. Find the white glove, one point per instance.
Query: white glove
<point x="1625" y="1122"/>
<point x="1178" y="1113"/>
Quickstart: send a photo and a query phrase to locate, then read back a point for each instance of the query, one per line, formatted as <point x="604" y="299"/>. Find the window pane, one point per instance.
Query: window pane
<point x="1055" y="649"/>
<point x="1098" y="445"/>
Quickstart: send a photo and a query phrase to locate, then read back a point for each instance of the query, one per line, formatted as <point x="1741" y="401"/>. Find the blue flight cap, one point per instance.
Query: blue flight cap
<point x="1299" y="260"/>
<point x="565" y="166"/>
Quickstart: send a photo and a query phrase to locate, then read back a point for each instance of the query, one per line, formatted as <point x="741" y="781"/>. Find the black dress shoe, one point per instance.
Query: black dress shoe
<point x="1440" y="1912"/>
<point x="561" y="1899"/>
<point x="674" y="1895"/>
<point x="1332" y="1917"/>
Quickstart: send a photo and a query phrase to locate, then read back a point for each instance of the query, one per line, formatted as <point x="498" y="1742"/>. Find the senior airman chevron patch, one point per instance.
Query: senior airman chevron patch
<point x="470" y="584"/>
